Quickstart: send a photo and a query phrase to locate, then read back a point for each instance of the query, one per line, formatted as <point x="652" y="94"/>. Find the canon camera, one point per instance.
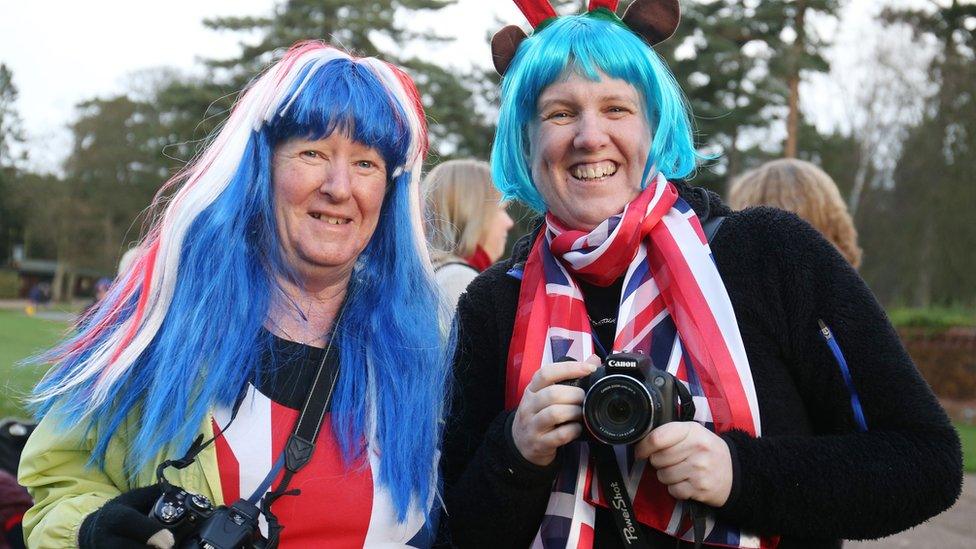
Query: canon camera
<point x="626" y="397"/>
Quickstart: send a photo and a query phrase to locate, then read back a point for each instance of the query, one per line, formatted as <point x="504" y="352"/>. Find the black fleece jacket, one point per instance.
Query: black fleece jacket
<point x="811" y="477"/>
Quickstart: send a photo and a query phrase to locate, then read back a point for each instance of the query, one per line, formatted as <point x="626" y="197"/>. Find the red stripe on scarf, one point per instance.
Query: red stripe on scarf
<point x="697" y="326"/>
<point x="528" y="343"/>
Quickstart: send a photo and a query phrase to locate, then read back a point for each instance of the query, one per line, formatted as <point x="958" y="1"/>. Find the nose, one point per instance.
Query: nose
<point x="336" y="182"/>
<point x="590" y="133"/>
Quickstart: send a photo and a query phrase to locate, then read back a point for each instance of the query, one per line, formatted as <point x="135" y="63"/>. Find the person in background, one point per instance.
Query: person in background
<point x="803" y="188"/>
<point x="14" y="499"/>
<point x="101" y="290"/>
<point x="290" y="259"/>
<point x="466" y="223"/>
<point x="787" y="444"/>
<point x="14" y="502"/>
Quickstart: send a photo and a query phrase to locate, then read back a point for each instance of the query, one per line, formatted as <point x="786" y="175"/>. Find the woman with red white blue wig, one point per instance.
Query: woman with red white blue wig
<point x="287" y="270"/>
<point x="650" y="368"/>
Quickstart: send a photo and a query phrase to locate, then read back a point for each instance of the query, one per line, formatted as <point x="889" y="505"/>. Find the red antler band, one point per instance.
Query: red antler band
<point x="536" y="11"/>
<point x="609" y="4"/>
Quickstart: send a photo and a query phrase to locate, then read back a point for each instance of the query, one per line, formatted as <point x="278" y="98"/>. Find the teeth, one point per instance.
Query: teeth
<point x="330" y="220"/>
<point x="594" y="171"/>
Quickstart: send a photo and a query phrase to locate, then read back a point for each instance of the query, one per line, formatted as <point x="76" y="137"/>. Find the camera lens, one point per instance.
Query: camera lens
<point x="618" y="409"/>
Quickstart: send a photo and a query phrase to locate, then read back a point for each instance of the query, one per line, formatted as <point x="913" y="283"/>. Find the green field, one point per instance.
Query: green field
<point x="967" y="433"/>
<point x="20" y="337"/>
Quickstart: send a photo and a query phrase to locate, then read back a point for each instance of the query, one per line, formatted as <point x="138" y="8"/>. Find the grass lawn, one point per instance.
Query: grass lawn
<point x="968" y="435"/>
<point x="20" y="337"/>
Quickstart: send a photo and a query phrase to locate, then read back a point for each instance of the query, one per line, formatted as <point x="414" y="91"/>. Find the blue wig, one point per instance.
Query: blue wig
<point x="588" y="46"/>
<point x="182" y="331"/>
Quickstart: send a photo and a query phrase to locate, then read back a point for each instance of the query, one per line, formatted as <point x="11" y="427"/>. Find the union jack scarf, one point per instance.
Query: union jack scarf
<point x="674" y="308"/>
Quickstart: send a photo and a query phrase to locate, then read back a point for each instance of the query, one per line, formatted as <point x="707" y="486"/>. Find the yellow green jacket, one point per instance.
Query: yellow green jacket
<point x="54" y="470"/>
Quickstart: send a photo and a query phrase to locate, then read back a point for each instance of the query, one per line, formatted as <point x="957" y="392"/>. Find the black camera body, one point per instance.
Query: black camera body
<point x="196" y="523"/>
<point x="626" y="397"/>
<point x="181" y="512"/>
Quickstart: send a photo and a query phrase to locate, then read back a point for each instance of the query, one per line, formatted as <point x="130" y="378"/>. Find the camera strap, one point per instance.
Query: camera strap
<point x="618" y="499"/>
<point x="621" y="506"/>
<point x="300" y="446"/>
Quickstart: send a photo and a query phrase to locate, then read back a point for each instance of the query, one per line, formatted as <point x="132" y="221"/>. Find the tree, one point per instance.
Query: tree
<point x="934" y="186"/>
<point x="722" y="57"/>
<point x="10" y="129"/>
<point x="803" y="54"/>
<point x="115" y="168"/>
<point x="11" y="222"/>
<point x="457" y="125"/>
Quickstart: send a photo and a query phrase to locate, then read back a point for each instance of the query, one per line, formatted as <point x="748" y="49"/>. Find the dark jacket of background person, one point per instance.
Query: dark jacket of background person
<point x="14" y="502"/>
<point x="811" y="478"/>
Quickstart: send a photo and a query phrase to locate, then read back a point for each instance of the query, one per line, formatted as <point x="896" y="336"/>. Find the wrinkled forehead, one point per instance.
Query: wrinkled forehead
<point x="575" y="86"/>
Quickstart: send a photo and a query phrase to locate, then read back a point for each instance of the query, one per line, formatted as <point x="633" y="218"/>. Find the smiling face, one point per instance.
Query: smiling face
<point x="588" y="146"/>
<point x="328" y="194"/>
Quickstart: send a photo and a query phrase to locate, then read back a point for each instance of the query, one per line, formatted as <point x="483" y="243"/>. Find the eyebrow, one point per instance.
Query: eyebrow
<point x="547" y="103"/>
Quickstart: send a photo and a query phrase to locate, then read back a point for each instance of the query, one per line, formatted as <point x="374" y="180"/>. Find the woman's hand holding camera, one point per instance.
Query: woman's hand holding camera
<point x="549" y="414"/>
<point x="693" y="462"/>
<point x="123" y="523"/>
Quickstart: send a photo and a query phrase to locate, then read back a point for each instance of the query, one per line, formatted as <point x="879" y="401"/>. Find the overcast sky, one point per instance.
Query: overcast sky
<point x="63" y="52"/>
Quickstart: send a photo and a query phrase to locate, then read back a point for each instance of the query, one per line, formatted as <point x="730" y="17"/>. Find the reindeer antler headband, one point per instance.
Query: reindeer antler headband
<point x="652" y="20"/>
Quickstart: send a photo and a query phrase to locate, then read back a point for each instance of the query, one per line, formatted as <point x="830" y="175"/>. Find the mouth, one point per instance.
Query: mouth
<point x="593" y="171"/>
<point x="331" y="220"/>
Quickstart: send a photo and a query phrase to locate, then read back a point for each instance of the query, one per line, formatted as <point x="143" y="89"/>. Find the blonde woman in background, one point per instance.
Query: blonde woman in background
<point x="467" y="224"/>
<point x="803" y="188"/>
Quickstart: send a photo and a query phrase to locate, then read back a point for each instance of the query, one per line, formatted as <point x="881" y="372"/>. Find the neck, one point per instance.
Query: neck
<point x="307" y="313"/>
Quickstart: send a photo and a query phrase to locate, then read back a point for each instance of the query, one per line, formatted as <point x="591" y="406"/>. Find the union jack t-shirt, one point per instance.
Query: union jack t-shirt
<point x="339" y="505"/>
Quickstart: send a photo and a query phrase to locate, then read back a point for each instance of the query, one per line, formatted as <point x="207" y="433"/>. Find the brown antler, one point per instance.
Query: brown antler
<point x="654" y="20"/>
<point x="506" y="41"/>
<point x="503" y="46"/>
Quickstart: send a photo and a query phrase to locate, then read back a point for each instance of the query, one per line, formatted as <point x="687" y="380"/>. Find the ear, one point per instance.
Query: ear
<point x="503" y="46"/>
<point x="654" y="20"/>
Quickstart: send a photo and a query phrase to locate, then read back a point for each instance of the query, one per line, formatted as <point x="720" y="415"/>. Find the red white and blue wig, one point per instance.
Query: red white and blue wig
<point x="182" y="330"/>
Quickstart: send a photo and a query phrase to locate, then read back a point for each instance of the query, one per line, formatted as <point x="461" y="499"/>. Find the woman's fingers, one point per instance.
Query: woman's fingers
<point x="548" y="414"/>
<point x="693" y="462"/>
<point x="561" y="371"/>
<point x="555" y="415"/>
<point x="674" y="474"/>
<point x="562" y="435"/>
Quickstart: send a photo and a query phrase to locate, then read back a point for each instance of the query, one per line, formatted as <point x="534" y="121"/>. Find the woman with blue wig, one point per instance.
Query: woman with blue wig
<point x="649" y="368"/>
<point x="287" y="273"/>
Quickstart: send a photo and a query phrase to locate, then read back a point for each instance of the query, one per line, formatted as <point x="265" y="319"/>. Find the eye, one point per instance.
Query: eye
<point x="559" y="116"/>
<point x="310" y="154"/>
<point x="619" y="110"/>
<point x="369" y="165"/>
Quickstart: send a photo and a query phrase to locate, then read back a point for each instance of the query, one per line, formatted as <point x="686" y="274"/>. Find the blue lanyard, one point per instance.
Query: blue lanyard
<point x="266" y="483"/>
